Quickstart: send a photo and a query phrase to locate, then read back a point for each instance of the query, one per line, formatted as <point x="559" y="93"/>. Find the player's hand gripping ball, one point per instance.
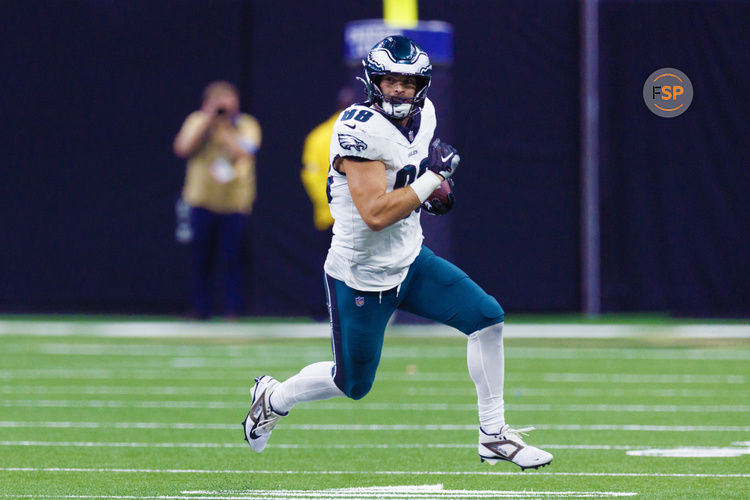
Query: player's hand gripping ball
<point x="443" y="158"/>
<point x="441" y="200"/>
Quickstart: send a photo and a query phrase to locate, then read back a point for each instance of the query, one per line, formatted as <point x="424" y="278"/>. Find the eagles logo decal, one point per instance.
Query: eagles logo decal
<point x="350" y="142"/>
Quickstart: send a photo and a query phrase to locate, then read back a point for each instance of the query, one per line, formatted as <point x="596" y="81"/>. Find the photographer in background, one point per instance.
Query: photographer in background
<point x="219" y="144"/>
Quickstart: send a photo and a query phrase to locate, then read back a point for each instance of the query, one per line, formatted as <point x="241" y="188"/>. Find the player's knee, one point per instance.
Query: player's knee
<point x="360" y="390"/>
<point x="488" y="312"/>
<point x="491" y="310"/>
<point x="356" y="382"/>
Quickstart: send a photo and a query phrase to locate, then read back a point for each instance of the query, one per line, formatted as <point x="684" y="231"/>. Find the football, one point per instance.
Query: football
<point x="441" y="200"/>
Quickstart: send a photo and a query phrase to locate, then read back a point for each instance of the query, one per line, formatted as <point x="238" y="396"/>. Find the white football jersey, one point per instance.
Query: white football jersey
<point x="360" y="257"/>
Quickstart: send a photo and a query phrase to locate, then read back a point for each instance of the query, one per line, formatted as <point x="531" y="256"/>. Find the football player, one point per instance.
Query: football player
<point x="385" y="163"/>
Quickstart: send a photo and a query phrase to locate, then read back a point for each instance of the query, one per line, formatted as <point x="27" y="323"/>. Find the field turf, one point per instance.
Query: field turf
<point x="86" y="416"/>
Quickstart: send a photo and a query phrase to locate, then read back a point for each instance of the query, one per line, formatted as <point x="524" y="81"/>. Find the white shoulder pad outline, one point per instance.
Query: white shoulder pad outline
<point x="429" y="115"/>
<point x="428" y="105"/>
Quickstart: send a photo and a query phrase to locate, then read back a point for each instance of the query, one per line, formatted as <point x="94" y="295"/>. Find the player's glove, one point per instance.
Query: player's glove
<point x="443" y="159"/>
<point x="441" y="200"/>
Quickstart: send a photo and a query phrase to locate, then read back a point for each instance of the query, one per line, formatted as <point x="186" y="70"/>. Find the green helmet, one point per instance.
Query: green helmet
<point x="397" y="55"/>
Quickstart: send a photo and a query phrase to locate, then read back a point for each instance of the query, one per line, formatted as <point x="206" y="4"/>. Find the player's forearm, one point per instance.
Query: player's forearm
<point x="390" y="208"/>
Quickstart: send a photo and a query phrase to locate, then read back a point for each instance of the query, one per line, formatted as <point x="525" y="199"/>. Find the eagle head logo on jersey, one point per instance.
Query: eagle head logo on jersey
<point x="350" y="142"/>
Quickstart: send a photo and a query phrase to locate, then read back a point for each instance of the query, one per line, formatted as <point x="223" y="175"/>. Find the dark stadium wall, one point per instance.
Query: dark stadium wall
<point x="675" y="203"/>
<point x="516" y="108"/>
<point x="100" y="88"/>
<point x="296" y="61"/>
<point x="94" y="92"/>
<point x="515" y="122"/>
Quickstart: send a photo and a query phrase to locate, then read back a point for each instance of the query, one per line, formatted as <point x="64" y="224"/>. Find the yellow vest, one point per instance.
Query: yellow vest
<point x="215" y="183"/>
<point x="315" y="172"/>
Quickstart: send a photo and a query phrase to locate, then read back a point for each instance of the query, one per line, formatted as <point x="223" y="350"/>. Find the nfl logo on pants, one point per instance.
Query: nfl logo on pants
<point x="359" y="301"/>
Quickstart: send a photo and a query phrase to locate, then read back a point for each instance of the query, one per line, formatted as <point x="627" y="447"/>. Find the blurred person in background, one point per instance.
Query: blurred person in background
<point x="219" y="143"/>
<point x="315" y="163"/>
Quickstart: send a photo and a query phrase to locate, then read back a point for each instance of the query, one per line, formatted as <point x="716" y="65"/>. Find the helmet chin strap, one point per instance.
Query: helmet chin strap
<point x="396" y="110"/>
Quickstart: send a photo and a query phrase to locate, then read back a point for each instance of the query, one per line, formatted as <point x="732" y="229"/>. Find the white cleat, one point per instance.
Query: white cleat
<point x="261" y="419"/>
<point x="508" y="445"/>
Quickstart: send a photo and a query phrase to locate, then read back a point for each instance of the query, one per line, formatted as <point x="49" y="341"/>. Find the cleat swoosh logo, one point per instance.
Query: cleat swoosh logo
<point x="446" y="158"/>
<point x="495" y="447"/>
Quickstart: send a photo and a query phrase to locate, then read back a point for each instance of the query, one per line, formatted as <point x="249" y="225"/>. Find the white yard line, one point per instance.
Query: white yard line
<point x="511" y="392"/>
<point x="384" y="495"/>
<point x="363" y="427"/>
<point x="105" y="374"/>
<point x="187" y="390"/>
<point x="180" y="329"/>
<point x="411" y="491"/>
<point x="644" y="378"/>
<point x="620" y="353"/>
<point x="211" y="353"/>
<point x="188" y="372"/>
<point x="380" y="492"/>
<point x="163" y="329"/>
<point x="167" y="390"/>
<point x="367" y="472"/>
<point x="316" y="494"/>
<point x="346" y="405"/>
<point x="344" y="446"/>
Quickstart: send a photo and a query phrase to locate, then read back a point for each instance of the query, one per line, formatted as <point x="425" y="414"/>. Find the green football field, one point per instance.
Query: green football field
<point x="115" y="410"/>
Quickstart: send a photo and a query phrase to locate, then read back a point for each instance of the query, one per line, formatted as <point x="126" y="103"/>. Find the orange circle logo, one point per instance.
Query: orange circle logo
<point x="668" y="92"/>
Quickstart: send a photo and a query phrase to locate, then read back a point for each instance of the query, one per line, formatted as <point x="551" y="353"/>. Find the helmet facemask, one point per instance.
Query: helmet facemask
<point x="399" y="107"/>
